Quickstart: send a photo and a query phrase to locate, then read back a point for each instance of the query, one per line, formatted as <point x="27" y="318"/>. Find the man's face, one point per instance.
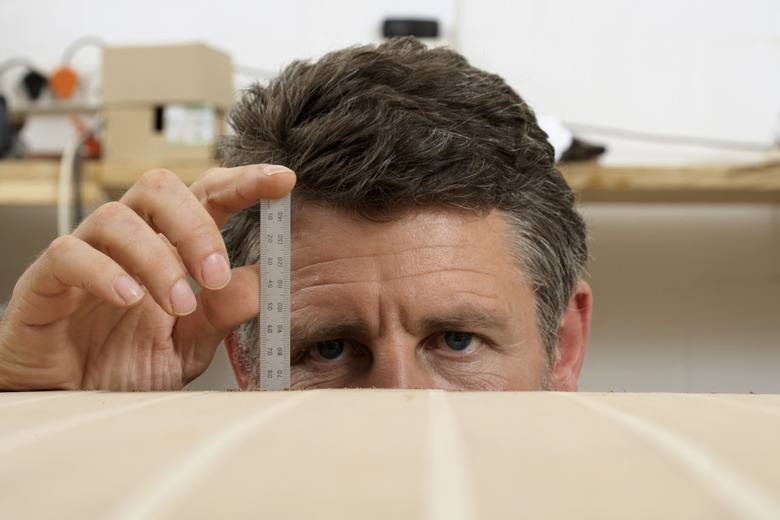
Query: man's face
<point x="433" y="300"/>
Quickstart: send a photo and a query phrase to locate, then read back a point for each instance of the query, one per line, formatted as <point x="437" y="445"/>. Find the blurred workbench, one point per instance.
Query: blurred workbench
<point x="389" y="454"/>
<point x="35" y="182"/>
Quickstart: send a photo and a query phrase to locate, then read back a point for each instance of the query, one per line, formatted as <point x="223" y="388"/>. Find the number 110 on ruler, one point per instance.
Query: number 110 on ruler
<point x="275" y="294"/>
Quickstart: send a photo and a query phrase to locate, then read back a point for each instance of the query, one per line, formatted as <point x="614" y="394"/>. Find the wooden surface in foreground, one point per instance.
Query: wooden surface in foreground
<point x="389" y="454"/>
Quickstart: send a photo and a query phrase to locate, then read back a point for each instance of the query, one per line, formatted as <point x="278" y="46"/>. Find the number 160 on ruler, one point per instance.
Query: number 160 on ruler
<point x="275" y="294"/>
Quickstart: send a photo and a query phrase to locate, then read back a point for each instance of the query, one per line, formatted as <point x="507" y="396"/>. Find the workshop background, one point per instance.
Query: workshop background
<point x="687" y="295"/>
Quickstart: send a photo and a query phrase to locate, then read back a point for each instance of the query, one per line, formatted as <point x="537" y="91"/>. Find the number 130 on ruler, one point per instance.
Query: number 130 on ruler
<point x="275" y="294"/>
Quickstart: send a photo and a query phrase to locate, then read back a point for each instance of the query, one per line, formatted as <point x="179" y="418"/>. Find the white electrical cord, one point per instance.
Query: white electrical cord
<point x="66" y="174"/>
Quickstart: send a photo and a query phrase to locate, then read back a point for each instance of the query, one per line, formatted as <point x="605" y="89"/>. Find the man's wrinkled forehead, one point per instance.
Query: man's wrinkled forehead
<point x="424" y="228"/>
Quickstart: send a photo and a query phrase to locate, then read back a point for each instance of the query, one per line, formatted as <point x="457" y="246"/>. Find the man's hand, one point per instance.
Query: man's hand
<point x="111" y="307"/>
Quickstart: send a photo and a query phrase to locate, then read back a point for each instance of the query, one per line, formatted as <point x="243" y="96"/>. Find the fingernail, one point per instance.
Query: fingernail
<point x="215" y="271"/>
<point x="128" y="289"/>
<point x="273" y="169"/>
<point x="182" y="298"/>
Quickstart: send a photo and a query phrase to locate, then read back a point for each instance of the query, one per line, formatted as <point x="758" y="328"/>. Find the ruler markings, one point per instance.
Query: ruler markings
<point x="275" y="294"/>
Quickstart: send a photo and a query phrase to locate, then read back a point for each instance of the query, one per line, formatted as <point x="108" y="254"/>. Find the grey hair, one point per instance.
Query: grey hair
<point x="380" y="130"/>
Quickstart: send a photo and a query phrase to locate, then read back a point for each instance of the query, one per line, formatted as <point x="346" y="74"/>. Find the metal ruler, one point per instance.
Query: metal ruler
<point x="275" y="294"/>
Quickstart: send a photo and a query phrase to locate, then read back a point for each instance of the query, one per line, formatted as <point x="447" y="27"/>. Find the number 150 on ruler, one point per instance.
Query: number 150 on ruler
<point x="275" y="294"/>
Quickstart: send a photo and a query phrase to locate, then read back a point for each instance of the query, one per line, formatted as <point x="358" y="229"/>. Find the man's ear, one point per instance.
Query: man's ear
<point x="238" y="362"/>
<point x="572" y="339"/>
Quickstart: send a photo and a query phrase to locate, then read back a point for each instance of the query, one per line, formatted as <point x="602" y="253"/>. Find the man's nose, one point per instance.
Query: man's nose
<point x="398" y="366"/>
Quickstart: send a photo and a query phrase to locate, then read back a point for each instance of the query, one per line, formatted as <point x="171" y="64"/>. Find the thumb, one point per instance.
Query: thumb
<point x="219" y="312"/>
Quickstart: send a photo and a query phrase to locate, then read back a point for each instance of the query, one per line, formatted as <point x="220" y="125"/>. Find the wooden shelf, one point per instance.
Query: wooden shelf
<point x="592" y="182"/>
<point x="53" y="108"/>
<point x="119" y="175"/>
<point x="758" y="183"/>
<point x="34" y="182"/>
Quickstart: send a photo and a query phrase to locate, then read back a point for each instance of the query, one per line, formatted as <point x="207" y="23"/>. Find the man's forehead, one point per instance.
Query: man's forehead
<point x="432" y="254"/>
<point x="418" y="229"/>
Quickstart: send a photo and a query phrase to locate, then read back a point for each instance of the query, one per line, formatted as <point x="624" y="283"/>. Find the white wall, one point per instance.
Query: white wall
<point x="685" y="67"/>
<point x="686" y="296"/>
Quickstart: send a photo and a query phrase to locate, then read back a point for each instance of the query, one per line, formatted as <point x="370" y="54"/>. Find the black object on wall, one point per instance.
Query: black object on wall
<point x="410" y="27"/>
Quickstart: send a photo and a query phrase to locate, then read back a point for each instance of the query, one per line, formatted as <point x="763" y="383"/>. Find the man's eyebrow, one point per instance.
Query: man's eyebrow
<point x="320" y="328"/>
<point x="467" y="319"/>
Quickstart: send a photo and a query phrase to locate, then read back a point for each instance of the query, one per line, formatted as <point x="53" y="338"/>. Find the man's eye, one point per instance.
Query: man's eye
<point x="330" y="350"/>
<point x="458" y="341"/>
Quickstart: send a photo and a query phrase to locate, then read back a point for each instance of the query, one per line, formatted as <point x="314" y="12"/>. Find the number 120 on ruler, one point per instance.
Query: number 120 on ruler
<point x="275" y="294"/>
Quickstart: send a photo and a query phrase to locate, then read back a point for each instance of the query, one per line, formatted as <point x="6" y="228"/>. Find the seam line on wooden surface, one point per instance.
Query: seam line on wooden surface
<point x="744" y="498"/>
<point x="448" y="490"/>
<point x="42" y="431"/>
<point x="158" y="495"/>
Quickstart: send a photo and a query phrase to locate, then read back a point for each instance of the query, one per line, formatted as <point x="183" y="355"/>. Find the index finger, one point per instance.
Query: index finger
<point x="223" y="191"/>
